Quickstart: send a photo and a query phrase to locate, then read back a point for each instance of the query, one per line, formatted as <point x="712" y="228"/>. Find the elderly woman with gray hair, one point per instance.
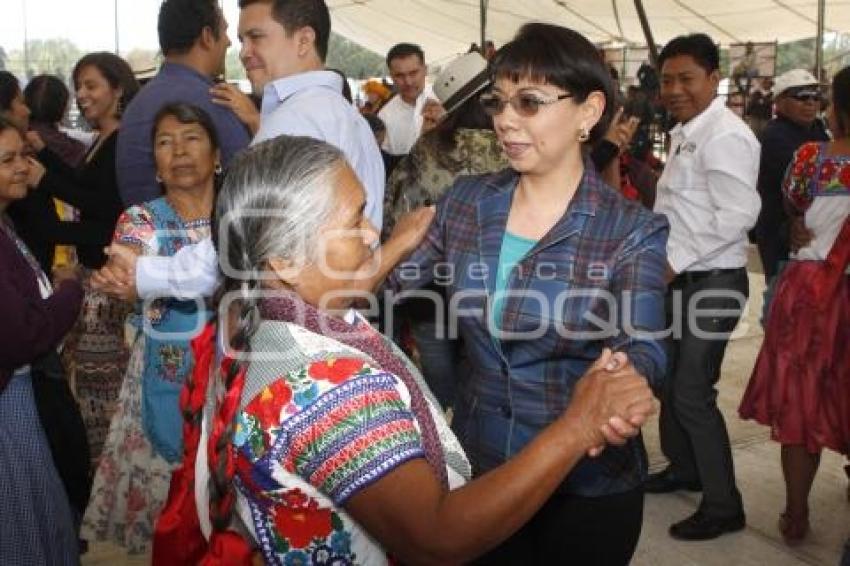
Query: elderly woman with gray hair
<point x="309" y="437"/>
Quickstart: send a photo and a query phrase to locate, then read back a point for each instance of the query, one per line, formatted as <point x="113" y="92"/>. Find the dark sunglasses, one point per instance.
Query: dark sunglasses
<point x="806" y="96"/>
<point x="525" y="104"/>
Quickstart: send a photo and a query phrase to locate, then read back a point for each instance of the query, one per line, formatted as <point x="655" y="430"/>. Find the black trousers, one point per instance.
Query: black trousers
<point x="568" y="529"/>
<point x="65" y="430"/>
<point x="693" y="433"/>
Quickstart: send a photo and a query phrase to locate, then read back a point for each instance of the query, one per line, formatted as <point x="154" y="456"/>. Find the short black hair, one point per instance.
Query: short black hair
<point x="47" y="98"/>
<point x="841" y="100"/>
<point x="296" y="14"/>
<point x="402" y="50"/>
<point x="187" y="114"/>
<point x="181" y="23"/>
<point x="9" y="89"/>
<point x="698" y="46"/>
<point x="115" y="70"/>
<point x="547" y="53"/>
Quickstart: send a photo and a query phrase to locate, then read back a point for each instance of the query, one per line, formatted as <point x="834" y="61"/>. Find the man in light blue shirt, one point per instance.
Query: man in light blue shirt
<point x="283" y="51"/>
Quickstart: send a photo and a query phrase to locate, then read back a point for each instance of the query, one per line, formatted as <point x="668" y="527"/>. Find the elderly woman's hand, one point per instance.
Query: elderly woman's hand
<point x="412" y="227"/>
<point x="240" y="103"/>
<point x="610" y="402"/>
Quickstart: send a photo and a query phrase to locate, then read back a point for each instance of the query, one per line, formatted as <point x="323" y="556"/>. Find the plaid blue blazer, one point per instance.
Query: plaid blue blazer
<point x="595" y="279"/>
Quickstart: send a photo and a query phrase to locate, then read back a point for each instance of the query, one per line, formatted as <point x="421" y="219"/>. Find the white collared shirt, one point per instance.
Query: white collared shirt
<point x="403" y="122"/>
<point x="708" y="191"/>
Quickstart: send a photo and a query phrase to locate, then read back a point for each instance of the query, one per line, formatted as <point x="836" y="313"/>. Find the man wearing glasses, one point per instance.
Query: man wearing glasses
<point x="798" y="101"/>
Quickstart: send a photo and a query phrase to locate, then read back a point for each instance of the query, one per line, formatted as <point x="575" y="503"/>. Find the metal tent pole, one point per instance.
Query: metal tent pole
<point x="819" y="41"/>
<point x="483" y="14"/>
<point x="647" y="33"/>
<point x="26" y="40"/>
<point x="117" y="52"/>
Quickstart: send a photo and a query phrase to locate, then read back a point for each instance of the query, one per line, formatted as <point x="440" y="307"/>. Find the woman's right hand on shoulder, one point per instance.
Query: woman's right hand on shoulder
<point x="240" y="103"/>
<point x="36" y="172"/>
<point x="609" y="403"/>
<point x="34" y="141"/>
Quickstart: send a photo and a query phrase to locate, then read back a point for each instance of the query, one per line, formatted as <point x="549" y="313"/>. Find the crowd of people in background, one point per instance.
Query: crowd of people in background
<point x="229" y="336"/>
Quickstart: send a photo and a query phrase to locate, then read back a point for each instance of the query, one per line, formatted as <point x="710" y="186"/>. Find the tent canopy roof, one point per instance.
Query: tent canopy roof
<point x="445" y="28"/>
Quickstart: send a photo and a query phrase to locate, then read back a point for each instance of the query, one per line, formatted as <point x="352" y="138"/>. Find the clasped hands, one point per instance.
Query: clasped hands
<point x="118" y="277"/>
<point x="609" y="403"/>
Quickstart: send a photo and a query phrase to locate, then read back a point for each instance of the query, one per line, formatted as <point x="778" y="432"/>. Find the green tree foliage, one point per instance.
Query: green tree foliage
<point x="233" y="69"/>
<point x="355" y="61"/>
<point x="55" y="56"/>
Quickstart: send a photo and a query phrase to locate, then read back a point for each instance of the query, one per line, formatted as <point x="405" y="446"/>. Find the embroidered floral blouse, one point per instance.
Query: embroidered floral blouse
<point x="137" y="226"/>
<point x="315" y="427"/>
<point x="817" y="185"/>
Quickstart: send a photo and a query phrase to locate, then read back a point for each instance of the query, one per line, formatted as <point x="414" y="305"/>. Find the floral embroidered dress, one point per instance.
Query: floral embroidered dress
<point x="800" y="385"/>
<point x="316" y="425"/>
<point x="132" y="478"/>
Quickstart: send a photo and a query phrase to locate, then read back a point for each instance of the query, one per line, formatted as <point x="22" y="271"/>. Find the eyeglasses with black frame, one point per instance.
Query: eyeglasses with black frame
<point x="526" y="104"/>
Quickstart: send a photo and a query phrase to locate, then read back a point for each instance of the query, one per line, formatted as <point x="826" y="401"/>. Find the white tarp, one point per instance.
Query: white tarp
<point x="445" y="28"/>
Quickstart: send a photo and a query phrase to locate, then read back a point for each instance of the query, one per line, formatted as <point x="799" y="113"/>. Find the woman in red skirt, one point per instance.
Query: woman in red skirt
<point x="800" y="385"/>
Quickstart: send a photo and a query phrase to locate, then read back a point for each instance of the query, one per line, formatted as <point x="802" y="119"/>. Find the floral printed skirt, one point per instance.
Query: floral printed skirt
<point x="96" y="355"/>
<point x="132" y="480"/>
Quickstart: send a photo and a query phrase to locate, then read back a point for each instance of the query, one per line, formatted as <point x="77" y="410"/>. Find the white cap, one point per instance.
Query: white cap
<point x="460" y="80"/>
<point x="793" y="79"/>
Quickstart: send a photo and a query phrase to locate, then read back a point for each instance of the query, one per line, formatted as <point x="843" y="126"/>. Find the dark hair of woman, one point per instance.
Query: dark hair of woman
<point x="186" y="114"/>
<point x="550" y="54"/>
<point x="190" y="114"/>
<point x="47" y="98"/>
<point x="115" y="70"/>
<point x="9" y="89"/>
<point x="841" y="101"/>
<point x="468" y="115"/>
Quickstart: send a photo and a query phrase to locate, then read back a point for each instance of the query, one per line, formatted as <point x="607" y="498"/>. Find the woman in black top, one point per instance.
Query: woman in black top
<point x="104" y="84"/>
<point x="96" y="351"/>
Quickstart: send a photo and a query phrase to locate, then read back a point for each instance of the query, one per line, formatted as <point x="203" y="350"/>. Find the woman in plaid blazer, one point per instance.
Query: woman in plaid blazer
<point x="544" y="266"/>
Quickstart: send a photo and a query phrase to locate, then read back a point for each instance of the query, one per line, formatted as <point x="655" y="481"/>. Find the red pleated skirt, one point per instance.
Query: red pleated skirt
<point x="800" y="385"/>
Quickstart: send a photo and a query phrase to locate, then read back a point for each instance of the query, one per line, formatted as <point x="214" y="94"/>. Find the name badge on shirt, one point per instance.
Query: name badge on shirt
<point x="686" y="147"/>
